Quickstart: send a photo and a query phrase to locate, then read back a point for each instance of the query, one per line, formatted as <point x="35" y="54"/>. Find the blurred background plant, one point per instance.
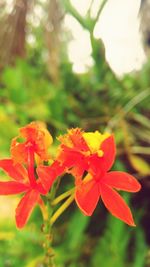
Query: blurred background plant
<point x="37" y="82"/>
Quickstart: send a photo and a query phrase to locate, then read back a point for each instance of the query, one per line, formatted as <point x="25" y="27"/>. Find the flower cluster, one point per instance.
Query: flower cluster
<point x="87" y="156"/>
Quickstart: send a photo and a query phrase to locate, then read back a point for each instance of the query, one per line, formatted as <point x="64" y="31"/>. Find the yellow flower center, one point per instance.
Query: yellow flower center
<point x="94" y="141"/>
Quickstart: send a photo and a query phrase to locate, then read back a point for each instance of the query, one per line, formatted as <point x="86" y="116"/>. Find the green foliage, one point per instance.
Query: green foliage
<point x="70" y="249"/>
<point x="111" y="248"/>
<point x="18" y="248"/>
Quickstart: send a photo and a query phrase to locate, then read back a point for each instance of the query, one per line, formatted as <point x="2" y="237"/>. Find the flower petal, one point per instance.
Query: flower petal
<point x="109" y="149"/>
<point x="72" y="148"/>
<point x="87" y="196"/>
<point x="36" y="135"/>
<point x="48" y="174"/>
<point x="70" y="157"/>
<point x="77" y="172"/>
<point x="14" y="170"/>
<point x="12" y="188"/>
<point x="78" y="141"/>
<point x="74" y="139"/>
<point x="25" y="207"/>
<point x="19" y="151"/>
<point x="116" y="205"/>
<point x="122" y="181"/>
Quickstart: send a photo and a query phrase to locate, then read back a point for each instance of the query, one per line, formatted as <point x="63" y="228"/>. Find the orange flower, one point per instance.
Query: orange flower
<point x="21" y="168"/>
<point x="95" y="154"/>
<point x="34" y="136"/>
<point x="24" y="181"/>
<point x="80" y="151"/>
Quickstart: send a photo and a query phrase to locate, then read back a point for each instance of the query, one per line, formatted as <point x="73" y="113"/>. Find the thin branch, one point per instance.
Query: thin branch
<point x="125" y="110"/>
<point x="90" y="7"/>
<point x="100" y="11"/>
<point x="70" y="9"/>
<point x="136" y="100"/>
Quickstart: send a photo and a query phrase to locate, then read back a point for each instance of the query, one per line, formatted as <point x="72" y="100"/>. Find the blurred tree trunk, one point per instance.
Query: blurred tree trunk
<point x="13" y="33"/>
<point x="52" y="37"/>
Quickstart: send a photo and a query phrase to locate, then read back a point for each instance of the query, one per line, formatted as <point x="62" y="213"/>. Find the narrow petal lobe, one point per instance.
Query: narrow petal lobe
<point x="109" y="149"/>
<point x="116" y="205"/>
<point x="87" y="196"/>
<point x="14" y="170"/>
<point x="122" y="181"/>
<point x="12" y="188"/>
<point x="25" y="207"/>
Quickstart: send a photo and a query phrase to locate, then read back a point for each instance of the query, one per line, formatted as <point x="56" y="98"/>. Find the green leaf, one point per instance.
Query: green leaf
<point x="139" y="164"/>
<point x="77" y="226"/>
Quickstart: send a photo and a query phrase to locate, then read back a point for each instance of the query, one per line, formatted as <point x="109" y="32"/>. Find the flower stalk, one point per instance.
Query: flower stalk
<point x="47" y="229"/>
<point x="62" y="208"/>
<point x="62" y="197"/>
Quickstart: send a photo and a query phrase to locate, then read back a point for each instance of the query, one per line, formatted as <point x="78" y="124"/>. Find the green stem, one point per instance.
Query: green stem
<point x="62" y="208"/>
<point x="100" y="11"/>
<point x="49" y="252"/>
<point x="62" y="196"/>
<point x="71" y="10"/>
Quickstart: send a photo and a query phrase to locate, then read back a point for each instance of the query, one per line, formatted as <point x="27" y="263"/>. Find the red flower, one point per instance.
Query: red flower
<point x="80" y="151"/>
<point x="36" y="140"/>
<point x="33" y="135"/>
<point x="24" y="181"/>
<point x="95" y="153"/>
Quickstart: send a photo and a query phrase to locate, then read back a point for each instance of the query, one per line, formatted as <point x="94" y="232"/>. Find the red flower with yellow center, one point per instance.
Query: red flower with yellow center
<point x="80" y="151"/>
<point x="95" y="154"/>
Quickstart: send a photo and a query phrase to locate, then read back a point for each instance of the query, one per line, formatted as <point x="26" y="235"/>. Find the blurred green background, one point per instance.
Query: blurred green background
<point x="37" y="83"/>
